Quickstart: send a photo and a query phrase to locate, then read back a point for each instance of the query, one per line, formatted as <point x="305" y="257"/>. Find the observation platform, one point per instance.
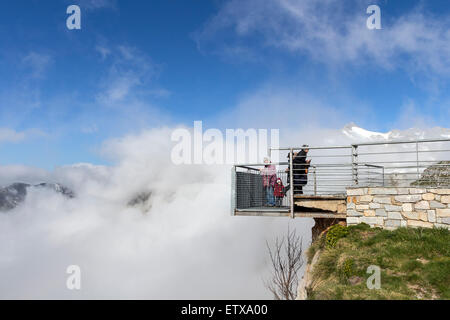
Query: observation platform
<point x="324" y="173"/>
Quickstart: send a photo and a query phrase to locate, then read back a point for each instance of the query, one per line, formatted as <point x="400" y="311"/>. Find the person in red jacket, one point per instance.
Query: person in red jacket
<point x="278" y="192"/>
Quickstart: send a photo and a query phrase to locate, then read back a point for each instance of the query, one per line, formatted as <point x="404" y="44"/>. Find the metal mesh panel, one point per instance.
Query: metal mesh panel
<point x="250" y="191"/>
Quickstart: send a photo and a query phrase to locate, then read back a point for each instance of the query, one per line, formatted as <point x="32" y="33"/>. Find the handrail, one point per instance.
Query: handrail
<point x="364" y="144"/>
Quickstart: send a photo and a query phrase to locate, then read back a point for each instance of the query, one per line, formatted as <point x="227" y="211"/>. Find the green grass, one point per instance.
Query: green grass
<point x="414" y="263"/>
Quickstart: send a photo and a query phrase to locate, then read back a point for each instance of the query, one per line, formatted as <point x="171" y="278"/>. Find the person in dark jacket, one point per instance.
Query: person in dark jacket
<point x="301" y="167"/>
<point x="300" y="170"/>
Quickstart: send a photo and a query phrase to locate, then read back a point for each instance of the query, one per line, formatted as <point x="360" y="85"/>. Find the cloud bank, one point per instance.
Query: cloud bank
<point x="186" y="246"/>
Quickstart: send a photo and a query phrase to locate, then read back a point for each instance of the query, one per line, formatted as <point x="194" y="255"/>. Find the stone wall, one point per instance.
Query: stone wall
<point x="395" y="207"/>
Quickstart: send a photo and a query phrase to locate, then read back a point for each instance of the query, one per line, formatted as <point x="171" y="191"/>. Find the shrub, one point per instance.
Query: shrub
<point x="347" y="267"/>
<point x="335" y="233"/>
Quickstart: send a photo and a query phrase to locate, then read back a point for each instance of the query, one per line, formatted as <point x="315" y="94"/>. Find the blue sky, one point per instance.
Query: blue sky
<point x="144" y="64"/>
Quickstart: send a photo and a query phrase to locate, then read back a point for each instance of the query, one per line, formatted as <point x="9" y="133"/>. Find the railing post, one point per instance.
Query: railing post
<point x="355" y="164"/>
<point x="315" y="180"/>
<point x="233" y="191"/>
<point x="291" y="182"/>
<point x="417" y="159"/>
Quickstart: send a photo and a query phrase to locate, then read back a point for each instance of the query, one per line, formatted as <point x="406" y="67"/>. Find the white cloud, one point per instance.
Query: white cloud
<point x="88" y="129"/>
<point x="37" y="63"/>
<point x="103" y="50"/>
<point x="18" y="173"/>
<point x="98" y="4"/>
<point x="9" y="135"/>
<point x="129" y="71"/>
<point x="333" y="32"/>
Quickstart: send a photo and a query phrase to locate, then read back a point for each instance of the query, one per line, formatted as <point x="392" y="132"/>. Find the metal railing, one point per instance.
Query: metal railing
<point x="253" y="192"/>
<point x="334" y="168"/>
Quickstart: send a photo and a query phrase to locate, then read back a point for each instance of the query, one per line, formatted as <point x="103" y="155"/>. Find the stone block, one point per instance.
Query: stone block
<point x="392" y="223"/>
<point x="411" y="215"/>
<point x="362" y="207"/>
<point x="443" y="213"/>
<point x="431" y="215"/>
<point x="351" y="205"/>
<point x="380" y="213"/>
<point x="445" y="220"/>
<point x="389" y="207"/>
<point x="379" y="191"/>
<point x="417" y="190"/>
<point x="369" y="213"/>
<point x="428" y="196"/>
<point x="384" y="200"/>
<point x="407" y="207"/>
<point x="445" y="199"/>
<point x="422" y="205"/>
<point x="356" y="192"/>
<point x="402" y="191"/>
<point x="419" y="224"/>
<point x="372" y="220"/>
<point x="365" y="198"/>
<point x="408" y="198"/>
<point x="374" y="205"/>
<point x="395" y="216"/>
<point x="423" y="215"/>
<point x="436" y="205"/>
<point x="353" y="220"/>
<point x="353" y="213"/>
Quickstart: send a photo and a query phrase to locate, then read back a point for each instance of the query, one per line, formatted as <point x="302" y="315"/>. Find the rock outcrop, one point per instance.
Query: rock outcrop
<point x="14" y="194"/>
<point x="142" y="201"/>
<point x="437" y="175"/>
<point x="307" y="281"/>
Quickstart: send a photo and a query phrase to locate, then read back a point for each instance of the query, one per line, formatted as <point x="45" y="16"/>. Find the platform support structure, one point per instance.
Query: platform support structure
<point x="291" y="182"/>
<point x="355" y="165"/>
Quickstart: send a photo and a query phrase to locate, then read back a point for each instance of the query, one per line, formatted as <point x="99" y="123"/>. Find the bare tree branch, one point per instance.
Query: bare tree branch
<point x="286" y="259"/>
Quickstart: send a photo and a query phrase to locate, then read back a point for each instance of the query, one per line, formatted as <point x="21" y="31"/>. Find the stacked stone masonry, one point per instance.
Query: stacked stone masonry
<point x="391" y="208"/>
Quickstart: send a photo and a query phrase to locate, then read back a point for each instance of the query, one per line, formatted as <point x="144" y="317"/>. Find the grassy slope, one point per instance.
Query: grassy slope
<point x="415" y="264"/>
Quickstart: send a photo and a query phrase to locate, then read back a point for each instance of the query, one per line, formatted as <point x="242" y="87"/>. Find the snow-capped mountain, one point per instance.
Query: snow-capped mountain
<point x="14" y="194"/>
<point x="356" y="133"/>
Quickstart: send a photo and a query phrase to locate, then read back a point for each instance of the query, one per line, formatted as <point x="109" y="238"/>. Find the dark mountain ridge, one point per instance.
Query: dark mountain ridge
<point x="13" y="195"/>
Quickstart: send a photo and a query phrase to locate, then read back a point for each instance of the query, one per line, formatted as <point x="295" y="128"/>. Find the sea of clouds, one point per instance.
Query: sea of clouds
<point x="186" y="245"/>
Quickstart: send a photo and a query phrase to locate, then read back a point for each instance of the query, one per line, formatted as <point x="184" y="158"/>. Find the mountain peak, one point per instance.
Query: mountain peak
<point x="11" y="196"/>
<point x="351" y="130"/>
